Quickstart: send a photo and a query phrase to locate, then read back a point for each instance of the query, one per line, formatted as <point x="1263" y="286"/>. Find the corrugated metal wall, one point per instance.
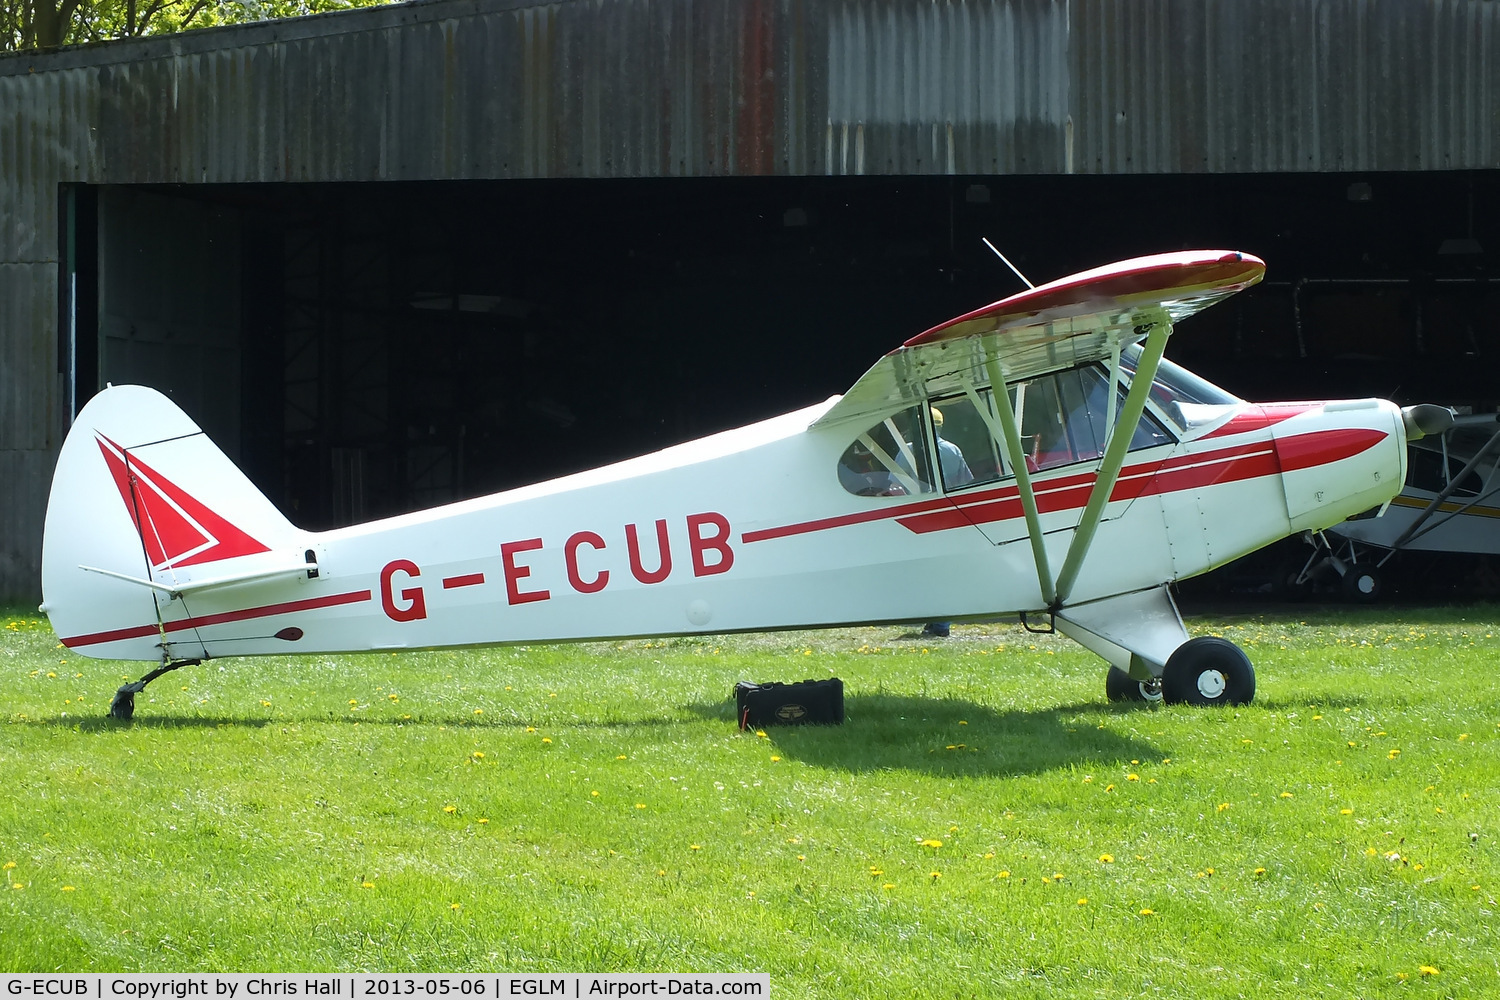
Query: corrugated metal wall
<point x="677" y="88"/>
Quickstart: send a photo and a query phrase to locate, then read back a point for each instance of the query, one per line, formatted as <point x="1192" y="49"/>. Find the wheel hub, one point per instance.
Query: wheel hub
<point x="1211" y="683"/>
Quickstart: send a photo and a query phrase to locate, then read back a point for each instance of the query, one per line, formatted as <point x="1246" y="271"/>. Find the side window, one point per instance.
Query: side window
<point x="967" y="454"/>
<point x="889" y="459"/>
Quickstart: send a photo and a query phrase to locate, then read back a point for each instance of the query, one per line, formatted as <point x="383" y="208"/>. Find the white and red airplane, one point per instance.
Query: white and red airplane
<point x="1037" y="455"/>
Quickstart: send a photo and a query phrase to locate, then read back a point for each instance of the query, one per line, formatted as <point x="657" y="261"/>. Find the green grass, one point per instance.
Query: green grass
<point x="593" y="808"/>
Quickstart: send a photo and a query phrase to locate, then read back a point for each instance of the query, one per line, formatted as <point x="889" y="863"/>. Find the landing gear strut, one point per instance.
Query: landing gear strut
<point x="123" y="705"/>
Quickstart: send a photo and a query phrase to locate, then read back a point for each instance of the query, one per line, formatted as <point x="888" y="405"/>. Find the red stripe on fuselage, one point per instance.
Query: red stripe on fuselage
<point x="1070" y="492"/>
<point x="264" y="611"/>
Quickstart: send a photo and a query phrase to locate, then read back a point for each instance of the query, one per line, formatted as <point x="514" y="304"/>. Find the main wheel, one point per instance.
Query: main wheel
<point x="1120" y="686"/>
<point x="1362" y="584"/>
<point x="1208" y="670"/>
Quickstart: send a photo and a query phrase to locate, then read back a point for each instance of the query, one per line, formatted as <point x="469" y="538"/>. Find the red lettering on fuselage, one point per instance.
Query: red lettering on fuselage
<point x="416" y="606"/>
<point x="515" y="574"/>
<point x="708" y="536"/>
<point x="632" y="543"/>
<point x="718" y="543"/>
<point x="570" y="556"/>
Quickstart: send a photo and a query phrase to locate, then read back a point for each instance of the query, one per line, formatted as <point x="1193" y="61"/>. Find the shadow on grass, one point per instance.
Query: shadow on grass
<point x="951" y="737"/>
<point x="103" y="723"/>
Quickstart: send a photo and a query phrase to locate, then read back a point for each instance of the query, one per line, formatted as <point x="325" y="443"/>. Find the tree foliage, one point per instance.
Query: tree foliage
<point x="45" y="24"/>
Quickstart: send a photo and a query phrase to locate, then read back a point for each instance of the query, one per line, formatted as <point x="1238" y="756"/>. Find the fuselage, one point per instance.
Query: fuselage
<point x="755" y="529"/>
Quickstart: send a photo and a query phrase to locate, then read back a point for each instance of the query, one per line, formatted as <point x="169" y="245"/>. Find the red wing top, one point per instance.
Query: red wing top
<point x="1062" y="324"/>
<point x="1181" y="283"/>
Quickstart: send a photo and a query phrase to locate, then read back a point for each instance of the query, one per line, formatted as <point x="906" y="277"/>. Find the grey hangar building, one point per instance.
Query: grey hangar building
<point x="395" y="257"/>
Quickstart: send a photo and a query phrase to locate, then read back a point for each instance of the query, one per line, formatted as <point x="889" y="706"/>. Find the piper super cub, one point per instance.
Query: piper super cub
<point x="1037" y="455"/>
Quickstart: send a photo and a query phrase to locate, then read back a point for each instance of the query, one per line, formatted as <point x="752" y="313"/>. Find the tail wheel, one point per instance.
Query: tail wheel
<point x="1120" y="686"/>
<point x="1208" y="670"/>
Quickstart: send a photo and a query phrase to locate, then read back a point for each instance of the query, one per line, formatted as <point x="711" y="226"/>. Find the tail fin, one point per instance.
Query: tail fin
<point x="145" y="509"/>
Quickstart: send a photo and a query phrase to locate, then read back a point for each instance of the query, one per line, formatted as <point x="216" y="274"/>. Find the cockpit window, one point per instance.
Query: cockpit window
<point x="1064" y="418"/>
<point x="889" y="459"/>
<point x="1185" y="398"/>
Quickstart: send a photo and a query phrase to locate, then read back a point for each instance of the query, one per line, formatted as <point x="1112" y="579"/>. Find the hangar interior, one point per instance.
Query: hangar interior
<point x="364" y="349"/>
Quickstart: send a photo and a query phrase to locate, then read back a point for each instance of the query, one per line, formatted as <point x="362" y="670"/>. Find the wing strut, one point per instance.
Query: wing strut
<point x="1114" y="457"/>
<point x="1023" y="477"/>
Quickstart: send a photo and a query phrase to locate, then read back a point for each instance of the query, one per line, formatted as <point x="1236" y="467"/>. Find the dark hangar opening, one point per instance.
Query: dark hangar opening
<point x="368" y="349"/>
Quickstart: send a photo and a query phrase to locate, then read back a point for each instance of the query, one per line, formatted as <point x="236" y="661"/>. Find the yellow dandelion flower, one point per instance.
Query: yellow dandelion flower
<point x="989" y="855"/>
<point x="889" y="885"/>
<point x="1393" y="755"/>
<point x="483" y="821"/>
<point x="640" y="805"/>
<point x="1370" y="852"/>
<point x="1132" y="777"/>
<point x="367" y="885"/>
<point x="1317" y="718"/>
<point x="1088" y="779"/>
<point x="762" y="734"/>
<point x="477" y="755"/>
<point x="478" y="711"/>
<point x="875" y="872"/>
<point x="450" y="810"/>
<point x="1148" y="912"/>
<point x="352" y="701"/>
<point x="17" y="885"/>
<point x="1260" y="871"/>
<point x="531" y="729"/>
<point x="695" y="847"/>
<point x="1429" y="970"/>
<point x="393" y="697"/>
<point x="264" y="703"/>
<point x="1058" y="876"/>
<point x="952" y="829"/>
<point x="1109" y="788"/>
<point x="1003" y="874"/>
<point x="1286" y="795"/>
<point x="1462" y="737"/>
<point x="774" y="758"/>
<point x="1222" y="806"/>
<point x="8" y="866"/>
<point x="455" y="906"/>
<point x="1083" y="901"/>
<point x="661" y="871"/>
<point x="802" y="857"/>
<point x="620" y="756"/>
<point x="68" y="888"/>
<point x="1346" y="812"/>
<point x="594" y="793"/>
<point x="934" y="875"/>
<point x="546" y="739"/>
<point x="1107" y="859"/>
<point x="1351" y="743"/>
<point x="932" y="843"/>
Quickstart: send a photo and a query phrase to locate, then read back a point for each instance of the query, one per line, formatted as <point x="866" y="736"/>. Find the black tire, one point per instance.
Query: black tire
<point x="1363" y="584"/>
<point x="1120" y="686"/>
<point x="1208" y="670"/>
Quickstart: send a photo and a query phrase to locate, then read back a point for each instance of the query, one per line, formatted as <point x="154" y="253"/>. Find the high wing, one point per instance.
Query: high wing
<point x="1084" y="317"/>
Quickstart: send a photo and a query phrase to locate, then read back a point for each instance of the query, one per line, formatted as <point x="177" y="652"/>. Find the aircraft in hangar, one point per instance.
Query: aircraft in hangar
<point x="1036" y="456"/>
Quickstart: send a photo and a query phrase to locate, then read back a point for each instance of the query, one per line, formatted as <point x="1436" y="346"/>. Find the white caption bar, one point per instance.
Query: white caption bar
<point x="374" y="986"/>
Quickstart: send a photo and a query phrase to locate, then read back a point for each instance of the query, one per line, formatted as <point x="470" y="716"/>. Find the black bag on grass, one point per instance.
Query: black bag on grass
<point x="802" y="703"/>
